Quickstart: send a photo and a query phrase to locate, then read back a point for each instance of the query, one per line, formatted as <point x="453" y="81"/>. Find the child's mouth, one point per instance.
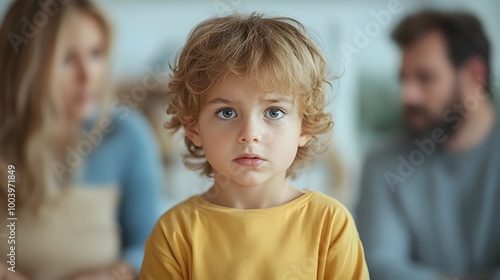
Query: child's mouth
<point x="249" y="160"/>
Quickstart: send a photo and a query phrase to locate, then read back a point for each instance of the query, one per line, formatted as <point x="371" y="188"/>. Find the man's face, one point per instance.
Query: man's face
<point x="429" y="83"/>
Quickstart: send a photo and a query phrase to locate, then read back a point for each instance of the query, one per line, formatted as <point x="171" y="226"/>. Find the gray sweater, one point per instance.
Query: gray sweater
<point x="425" y="212"/>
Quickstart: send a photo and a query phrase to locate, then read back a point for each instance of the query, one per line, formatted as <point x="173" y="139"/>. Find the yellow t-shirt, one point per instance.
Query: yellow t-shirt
<point x="310" y="237"/>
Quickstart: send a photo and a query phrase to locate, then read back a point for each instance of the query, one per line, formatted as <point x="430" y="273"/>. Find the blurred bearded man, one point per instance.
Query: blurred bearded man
<point x="429" y="205"/>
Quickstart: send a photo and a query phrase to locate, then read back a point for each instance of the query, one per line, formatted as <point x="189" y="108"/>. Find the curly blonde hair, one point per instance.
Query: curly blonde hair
<point x="274" y="53"/>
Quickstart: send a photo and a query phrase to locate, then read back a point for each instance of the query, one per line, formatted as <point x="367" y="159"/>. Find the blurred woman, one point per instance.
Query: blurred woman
<point x="83" y="171"/>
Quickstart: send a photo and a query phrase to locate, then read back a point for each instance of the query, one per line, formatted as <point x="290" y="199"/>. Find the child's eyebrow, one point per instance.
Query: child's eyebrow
<point x="278" y="100"/>
<point x="271" y="101"/>
<point x="220" y="100"/>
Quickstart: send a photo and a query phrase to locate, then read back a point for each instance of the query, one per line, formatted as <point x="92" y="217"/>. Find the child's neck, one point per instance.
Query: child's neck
<point x="273" y="192"/>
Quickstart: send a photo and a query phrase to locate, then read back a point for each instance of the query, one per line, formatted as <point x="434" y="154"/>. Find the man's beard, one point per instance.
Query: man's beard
<point x="436" y="122"/>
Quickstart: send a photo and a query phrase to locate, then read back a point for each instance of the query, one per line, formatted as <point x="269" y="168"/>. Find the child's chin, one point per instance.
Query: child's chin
<point x="251" y="180"/>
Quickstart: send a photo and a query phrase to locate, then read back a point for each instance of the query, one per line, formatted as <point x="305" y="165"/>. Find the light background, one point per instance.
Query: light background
<point x="364" y="100"/>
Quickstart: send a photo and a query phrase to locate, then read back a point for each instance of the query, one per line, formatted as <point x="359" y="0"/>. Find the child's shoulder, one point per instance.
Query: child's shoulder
<point x="323" y="202"/>
<point x="329" y="210"/>
<point x="333" y="216"/>
<point x="184" y="210"/>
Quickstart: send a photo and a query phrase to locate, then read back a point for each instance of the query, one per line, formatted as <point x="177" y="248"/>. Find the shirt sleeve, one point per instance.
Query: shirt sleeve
<point x="345" y="258"/>
<point x="141" y="181"/>
<point x="159" y="262"/>
<point x="386" y="238"/>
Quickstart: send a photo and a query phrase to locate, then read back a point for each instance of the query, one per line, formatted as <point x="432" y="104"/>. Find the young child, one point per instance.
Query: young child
<point x="249" y="92"/>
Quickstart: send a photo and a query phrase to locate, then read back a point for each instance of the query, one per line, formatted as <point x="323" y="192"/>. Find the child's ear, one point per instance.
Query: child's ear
<point x="304" y="138"/>
<point x="193" y="133"/>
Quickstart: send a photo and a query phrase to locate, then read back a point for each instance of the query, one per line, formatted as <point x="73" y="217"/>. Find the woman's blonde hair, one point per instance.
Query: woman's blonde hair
<point x="274" y="53"/>
<point x="29" y="110"/>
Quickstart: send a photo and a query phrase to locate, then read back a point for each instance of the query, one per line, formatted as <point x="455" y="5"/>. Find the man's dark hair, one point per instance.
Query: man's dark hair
<point x="462" y="31"/>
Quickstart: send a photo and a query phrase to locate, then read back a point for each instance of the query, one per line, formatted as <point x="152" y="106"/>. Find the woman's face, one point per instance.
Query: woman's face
<point x="82" y="67"/>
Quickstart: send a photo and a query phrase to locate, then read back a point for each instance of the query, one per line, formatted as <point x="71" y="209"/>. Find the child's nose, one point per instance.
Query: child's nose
<point x="250" y="131"/>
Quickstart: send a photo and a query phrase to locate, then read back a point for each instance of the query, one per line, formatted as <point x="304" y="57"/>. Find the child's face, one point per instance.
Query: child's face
<point x="248" y="137"/>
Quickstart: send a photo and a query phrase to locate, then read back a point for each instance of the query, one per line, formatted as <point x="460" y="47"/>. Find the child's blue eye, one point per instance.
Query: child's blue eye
<point x="274" y="113"/>
<point x="226" y="114"/>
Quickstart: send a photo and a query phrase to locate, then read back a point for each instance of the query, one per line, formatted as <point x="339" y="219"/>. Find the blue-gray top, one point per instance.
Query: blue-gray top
<point x="127" y="157"/>
<point x="425" y="212"/>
